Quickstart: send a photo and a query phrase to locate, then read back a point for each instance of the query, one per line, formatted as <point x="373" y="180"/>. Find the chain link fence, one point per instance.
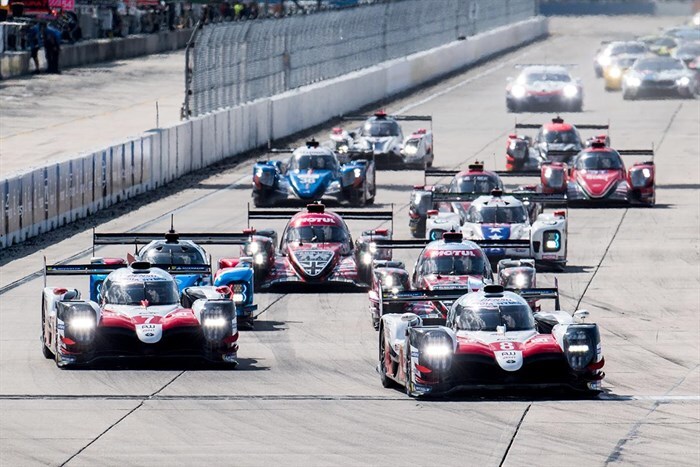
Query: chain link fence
<point x="233" y="63"/>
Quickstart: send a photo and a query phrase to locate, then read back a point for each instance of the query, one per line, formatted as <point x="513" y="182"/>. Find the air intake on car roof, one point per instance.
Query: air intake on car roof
<point x="493" y="290"/>
<point x="316" y="208"/>
<point x="140" y="266"/>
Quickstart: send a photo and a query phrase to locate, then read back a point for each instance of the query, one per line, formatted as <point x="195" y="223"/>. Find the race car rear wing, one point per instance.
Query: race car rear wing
<point x="201" y="238"/>
<point x="411" y="118"/>
<point x="96" y="268"/>
<point x="637" y="152"/>
<point x="550" y="199"/>
<point x="439" y="173"/>
<point x="419" y="243"/>
<point x="423" y="295"/>
<point x="346" y="214"/>
<point x="583" y="126"/>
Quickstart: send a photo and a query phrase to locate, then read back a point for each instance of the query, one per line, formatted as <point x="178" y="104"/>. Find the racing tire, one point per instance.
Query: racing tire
<point x="46" y="352"/>
<point x="419" y="231"/>
<point x="386" y="381"/>
<point x="409" y="381"/>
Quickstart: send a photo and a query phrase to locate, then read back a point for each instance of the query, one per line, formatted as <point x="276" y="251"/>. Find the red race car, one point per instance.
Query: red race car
<point x="598" y="175"/>
<point x="315" y="249"/>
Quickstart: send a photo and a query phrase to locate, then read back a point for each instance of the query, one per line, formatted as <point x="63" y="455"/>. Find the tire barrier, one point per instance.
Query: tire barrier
<point x="46" y="198"/>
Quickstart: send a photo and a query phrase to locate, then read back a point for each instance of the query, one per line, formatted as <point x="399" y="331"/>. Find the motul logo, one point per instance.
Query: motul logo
<point x="319" y="220"/>
<point x="454" y="253"/>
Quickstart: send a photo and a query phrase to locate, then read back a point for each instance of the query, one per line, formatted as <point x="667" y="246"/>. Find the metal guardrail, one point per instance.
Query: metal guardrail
<point x="234" y="63"/>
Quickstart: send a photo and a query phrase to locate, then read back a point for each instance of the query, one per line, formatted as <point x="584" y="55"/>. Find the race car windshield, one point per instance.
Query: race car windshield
<point x="625" y="62"/>
<point x="478" y="185"/>
<point x="658" y="65"/>
<point x="316" y="234"/>
<point x="454" y="265"/>
<point x="133" y="293"/>
<point x="380" y="129"/>
<point x="562" y="137"/>
<point x="306" y="162"/>
<point x="535" y="77"/>
<point x="689" y="49"/>
<point x="599" y="161"/>
<point x="514" y="316"/>
<point x="172" y="254"/>
<point x="481" y="214"/>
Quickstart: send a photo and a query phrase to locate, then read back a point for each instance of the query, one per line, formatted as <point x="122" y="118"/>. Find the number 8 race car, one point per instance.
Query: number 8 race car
<point x="490" y="339"/>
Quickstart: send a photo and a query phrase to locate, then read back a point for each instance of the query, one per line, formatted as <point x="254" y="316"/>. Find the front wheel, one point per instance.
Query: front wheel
<point x="384" y="359"/>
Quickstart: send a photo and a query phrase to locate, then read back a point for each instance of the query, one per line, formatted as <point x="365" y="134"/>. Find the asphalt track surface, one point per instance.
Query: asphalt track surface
<point x="306" y="391"/>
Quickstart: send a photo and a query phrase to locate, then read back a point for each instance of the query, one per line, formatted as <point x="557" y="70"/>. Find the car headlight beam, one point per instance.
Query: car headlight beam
<point x="570" y="90"/>
<point x="517" y="91"/>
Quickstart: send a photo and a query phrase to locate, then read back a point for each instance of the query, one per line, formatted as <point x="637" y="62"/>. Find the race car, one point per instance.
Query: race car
<point x="610" y="50"/>
<point x="505" y="217"/>
<point x="446" y="264"/>
<point x="316" y="249"/>
<point x="614" y="73"/>
<point x="597" y="176"/>
<point x="556" y="141"/>
<point x="474" y="180"/>
<point x="183" y="249"/>
<point x="490" y="339"/>
<point x="658" y="76"/>
<point x="313" y="173"/>
<point x="140" y="313"/>
<point x="381" y="138"/>
<point x="544" y="88"/>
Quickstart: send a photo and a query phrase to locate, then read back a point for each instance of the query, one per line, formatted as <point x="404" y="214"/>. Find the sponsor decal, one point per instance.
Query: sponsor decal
<point x="434" y="253"/>
<point x="319" y="220"/>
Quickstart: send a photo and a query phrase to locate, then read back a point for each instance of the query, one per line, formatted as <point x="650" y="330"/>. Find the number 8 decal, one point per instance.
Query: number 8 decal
<point x="507" y="346"/>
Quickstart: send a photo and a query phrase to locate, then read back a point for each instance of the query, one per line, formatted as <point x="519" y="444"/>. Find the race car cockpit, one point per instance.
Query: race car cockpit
<point x="599" y="160"/>
<point x="497" y="214"/>
<point x="178" y="252"/>
<point x="380" y="128"/>
<point x="155" y="292"/>
<point x="514" y="316"/>
<point x="454" y="265"/>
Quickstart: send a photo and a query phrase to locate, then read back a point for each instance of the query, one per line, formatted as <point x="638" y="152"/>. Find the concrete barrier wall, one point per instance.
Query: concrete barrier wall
<point x="597" y="8"/>
<point x="45" y="198"/>
<point x="97" y="51"/>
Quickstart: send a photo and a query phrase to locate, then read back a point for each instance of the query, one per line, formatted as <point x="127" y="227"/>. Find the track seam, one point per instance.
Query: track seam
<point x="103" y="433"/>
<point x="515" y="433"/>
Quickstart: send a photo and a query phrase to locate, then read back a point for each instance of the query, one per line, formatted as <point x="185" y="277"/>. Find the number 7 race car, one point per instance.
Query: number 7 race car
<point x="490" y="339"/>
<point x="140" y="313"/>
<point x="315" y="249"/>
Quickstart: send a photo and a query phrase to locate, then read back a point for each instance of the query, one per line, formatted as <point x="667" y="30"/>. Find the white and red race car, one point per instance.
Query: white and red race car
<point x="490" y="339"/>
<point x="140" y="314"/>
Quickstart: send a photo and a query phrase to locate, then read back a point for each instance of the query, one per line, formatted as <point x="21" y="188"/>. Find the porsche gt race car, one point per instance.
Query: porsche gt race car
<point x="544" y="88"/>
<point x="490" y="339"/>
<point x="315" y="249"/>
<point x="597" y="176"/>
<point x="475" y="180"/>
<point x="658" y="76"/>
<point x="556" y="141"/>
<point x="381" y="138"/>
<point x="313" y="173"/>
<point x="615" y="72"/>
<point x="183" y="249"/>
<point x="140" y="314"/>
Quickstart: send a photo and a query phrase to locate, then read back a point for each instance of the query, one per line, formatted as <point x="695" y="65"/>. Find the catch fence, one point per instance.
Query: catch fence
<point x="232" y="63"/>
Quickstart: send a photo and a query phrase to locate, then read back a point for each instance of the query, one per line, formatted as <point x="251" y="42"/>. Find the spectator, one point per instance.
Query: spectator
<point x="52" y="48"/>
<point x="34" y="41"/>
<point x="237" y="10"/>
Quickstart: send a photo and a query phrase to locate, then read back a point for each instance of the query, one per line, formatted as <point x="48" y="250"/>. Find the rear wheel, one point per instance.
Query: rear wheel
<point x="409" y="365"/>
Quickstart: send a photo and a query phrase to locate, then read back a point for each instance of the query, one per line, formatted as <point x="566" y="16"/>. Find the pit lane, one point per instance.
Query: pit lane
<point x="306" y="391"/>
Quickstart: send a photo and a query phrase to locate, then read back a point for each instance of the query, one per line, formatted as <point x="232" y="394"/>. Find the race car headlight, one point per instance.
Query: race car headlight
<point x="217" y="318"/>
<point x="641" y="178"/>
<point x="240" y="293"/>
<point x="554" y="178"/>
<point x="333" y="187"/>
<point x="615" y="72"/>
<point x="570" y="90"/>
<point x="518" y="91"/>
<point x="633" y="81"/>
<point x="81" y="323"/>
<point x="214" y="322"/>
<point x="366" y="258"/>
<point x="388" y="281"/>
<point x="683" y="82"/>
<point x="580" y="345"/>
<point x="253" y="248"/>
<point x="551" y="240"/>
<point x="343" y="148"/>
<point x="437" y="351"/>
<point x="604" y="60"/>
<point x="410" y="150"/>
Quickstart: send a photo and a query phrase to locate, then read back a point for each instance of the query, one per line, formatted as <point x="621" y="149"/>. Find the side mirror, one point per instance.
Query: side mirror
<point x="581" y="315"/>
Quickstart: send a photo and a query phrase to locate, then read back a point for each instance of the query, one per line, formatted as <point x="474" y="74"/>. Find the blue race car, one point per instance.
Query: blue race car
<point x="184" y="249"/>
<point x="313" y="173"/>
